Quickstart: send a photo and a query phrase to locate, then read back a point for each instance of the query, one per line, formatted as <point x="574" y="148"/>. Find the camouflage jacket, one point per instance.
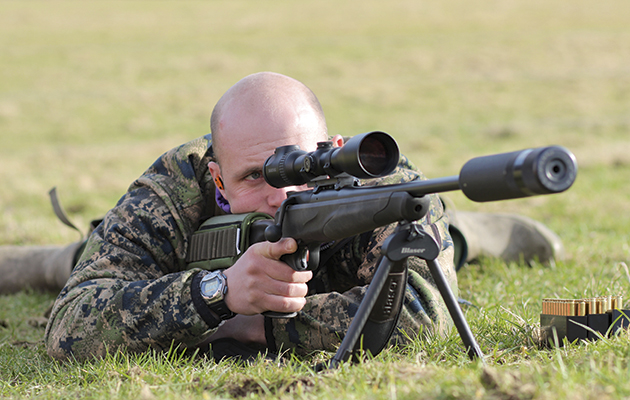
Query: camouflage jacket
<point x="131" y="288"/>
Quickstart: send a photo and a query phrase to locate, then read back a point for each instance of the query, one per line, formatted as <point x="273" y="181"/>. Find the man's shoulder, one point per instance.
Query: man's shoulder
<point x="180" y="176"/>
<point x="188" y="160"/>
<point x="200" y="147"/>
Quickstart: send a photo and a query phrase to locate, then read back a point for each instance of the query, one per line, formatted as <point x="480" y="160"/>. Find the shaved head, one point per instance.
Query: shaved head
<point x="276" y="101"/>
<point x="260" y="113"/>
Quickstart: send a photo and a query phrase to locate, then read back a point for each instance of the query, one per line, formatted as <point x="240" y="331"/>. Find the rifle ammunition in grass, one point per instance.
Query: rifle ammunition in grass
<point x="584" y="319"/>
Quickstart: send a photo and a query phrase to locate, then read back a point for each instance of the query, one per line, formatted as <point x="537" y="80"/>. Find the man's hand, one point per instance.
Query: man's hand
<point x="259" y="282"/>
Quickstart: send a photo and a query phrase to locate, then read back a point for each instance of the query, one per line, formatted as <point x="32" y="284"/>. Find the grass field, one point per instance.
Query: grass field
<point x="92" y="92"/>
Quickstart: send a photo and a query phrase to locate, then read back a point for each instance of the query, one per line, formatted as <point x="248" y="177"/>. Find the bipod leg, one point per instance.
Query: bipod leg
<point x="422" y="245"/>
<point x="378" y="312"/>
<point x="472" y="347"/>
<point x="344" y="352"/>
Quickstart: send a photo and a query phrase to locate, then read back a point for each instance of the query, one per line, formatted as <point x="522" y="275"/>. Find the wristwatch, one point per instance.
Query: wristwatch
<point x="213" y="289"/>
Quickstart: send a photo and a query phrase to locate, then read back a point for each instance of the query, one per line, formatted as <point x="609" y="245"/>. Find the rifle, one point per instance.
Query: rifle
<point x="337" y="207"/>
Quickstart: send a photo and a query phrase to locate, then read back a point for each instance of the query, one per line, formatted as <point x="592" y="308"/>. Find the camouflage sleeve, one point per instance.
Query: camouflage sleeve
<point x="130" y="288"/>
<point x="339" y="286"/>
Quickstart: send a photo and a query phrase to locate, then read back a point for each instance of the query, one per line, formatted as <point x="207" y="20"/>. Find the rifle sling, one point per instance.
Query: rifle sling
<point x="207" y="245"/>
<point x="221" y="240"/>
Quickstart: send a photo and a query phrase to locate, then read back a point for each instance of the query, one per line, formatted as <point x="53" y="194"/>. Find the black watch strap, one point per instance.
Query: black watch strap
<point x="221" y="310"/>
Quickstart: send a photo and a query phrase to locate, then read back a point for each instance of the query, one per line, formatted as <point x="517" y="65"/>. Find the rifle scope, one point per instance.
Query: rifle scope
<point x="368" y="155"/>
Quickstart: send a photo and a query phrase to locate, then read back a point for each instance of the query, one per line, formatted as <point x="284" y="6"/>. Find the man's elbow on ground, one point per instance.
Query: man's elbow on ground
<point x="61" y="344"/>
<point x="59" y="349"/>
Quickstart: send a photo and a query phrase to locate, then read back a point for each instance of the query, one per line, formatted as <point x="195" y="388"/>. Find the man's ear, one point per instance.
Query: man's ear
<point x="337" y="141"/>
<point x="215" y="171"/>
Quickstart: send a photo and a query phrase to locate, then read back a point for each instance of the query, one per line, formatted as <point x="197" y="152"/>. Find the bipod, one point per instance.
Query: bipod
<point x="379" y="309"/>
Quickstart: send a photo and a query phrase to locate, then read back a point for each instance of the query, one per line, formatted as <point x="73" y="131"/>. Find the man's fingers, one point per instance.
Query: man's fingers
<point x="282" y="272"/>
<point x="284" y="289"/>
<point x="285" y="304"/>
<point x="275" y="251"/>
<point x="276" y="296"/>
<point x="259" y="282"/>
<point x="278" y="249"/>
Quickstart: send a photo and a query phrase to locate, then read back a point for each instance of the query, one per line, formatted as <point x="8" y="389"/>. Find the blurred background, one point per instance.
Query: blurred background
<point x="91" y="93"/>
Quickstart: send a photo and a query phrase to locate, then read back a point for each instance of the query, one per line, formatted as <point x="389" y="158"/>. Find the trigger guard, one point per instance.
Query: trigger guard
<point x="305" y="258"/>
<point x="297" y="260"/>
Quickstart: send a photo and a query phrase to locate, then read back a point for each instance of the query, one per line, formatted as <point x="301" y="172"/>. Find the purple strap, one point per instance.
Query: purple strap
<point x="223" y="204"/>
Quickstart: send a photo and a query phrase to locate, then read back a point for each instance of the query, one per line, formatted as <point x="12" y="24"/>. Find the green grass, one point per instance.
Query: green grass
<point x="92" y="92"/>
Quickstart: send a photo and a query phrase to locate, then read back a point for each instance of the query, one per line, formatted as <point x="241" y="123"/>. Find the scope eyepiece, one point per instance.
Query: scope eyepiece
<point x="368" y="155"/>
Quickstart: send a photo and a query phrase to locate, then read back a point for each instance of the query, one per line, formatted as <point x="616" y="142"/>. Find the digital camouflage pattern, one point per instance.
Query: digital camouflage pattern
<point x="131" y="288"/>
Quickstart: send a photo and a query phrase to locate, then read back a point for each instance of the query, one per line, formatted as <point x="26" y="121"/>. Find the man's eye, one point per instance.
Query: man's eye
<point x="254" y="176"/>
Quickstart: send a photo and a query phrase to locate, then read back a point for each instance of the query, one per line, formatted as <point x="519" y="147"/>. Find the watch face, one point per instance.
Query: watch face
<point x="213" y="288"/>
<point x="210" y="287"/>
